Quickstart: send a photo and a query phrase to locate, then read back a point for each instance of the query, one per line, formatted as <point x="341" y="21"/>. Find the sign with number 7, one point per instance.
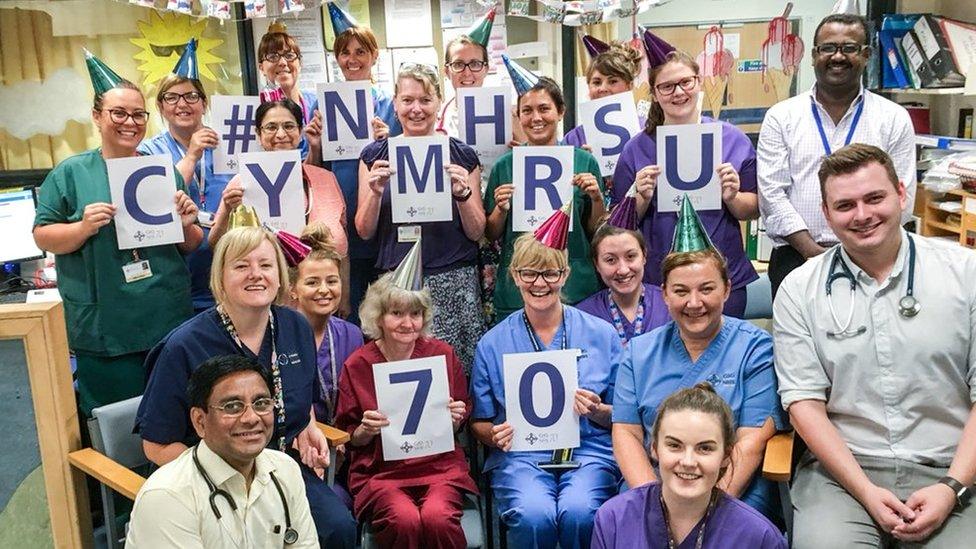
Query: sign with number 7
<point x="413" y="394"/>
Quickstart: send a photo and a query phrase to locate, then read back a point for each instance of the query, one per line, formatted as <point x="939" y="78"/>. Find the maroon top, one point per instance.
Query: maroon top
<point x="369" y="474"/>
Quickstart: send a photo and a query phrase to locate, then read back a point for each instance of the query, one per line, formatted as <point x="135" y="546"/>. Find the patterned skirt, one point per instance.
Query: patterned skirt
<point x="458" y="316"/>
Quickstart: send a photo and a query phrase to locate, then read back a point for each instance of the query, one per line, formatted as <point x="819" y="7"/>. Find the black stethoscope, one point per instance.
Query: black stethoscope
<point x="291" y="535"/>
<point x="908" y="306"/>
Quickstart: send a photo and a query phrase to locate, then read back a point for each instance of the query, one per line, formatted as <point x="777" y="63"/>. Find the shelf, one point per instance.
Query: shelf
<point x="945" y="142"/>
<point x="944" y="226"/>
<point x="924" y="91"/>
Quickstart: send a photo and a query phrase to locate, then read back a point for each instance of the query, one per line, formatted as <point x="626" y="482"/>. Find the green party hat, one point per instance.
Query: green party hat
<point x="689" y="234"/>
<point x="409" y="275"/>
<point x="103" y="78"/>
<point x="481" y="30"/>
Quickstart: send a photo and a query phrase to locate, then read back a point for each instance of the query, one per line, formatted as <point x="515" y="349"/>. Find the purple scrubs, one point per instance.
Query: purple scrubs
<point x="723" y="228"/>
<point x="655" y="311"/>
<point x="346" y="337"/>
<point x="444" y="245"/>
<point x="635" y="518"/>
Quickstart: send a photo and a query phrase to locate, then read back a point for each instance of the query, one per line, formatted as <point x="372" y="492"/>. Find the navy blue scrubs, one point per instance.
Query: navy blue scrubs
<point x="164" y="414"/>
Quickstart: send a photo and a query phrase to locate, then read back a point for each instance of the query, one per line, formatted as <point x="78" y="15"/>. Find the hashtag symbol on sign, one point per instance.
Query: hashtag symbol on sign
<point x="239" y="130"/>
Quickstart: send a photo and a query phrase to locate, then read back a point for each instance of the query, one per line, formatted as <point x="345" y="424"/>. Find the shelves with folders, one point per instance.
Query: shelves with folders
<point x="922" y="53"/>
<point x="951" y="215"/>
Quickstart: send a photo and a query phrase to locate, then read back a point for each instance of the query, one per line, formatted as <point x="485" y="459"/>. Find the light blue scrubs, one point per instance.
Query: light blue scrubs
<point x="738" y="363"/>
<point x="200" y="259"/>
<point x="309" y="106"/>
<point x="543" y="508"/>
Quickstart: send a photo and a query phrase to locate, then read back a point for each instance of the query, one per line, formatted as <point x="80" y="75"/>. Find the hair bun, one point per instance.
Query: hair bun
<point x="278" y="26"/>
<point x="705" y="386"/>
<point x="318" y="237"/>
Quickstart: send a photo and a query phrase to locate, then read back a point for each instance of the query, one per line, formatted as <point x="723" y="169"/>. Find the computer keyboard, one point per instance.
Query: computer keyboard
<point x="14" y="297"/>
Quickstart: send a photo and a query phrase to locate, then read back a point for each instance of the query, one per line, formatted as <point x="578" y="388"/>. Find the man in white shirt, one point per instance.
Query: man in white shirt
<point x="797" y="133"/>
<point x="229" y="490"/>
<point x="875" y="344"/>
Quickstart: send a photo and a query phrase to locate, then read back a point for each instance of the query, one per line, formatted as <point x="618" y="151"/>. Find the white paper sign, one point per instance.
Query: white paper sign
<point x="420" y="189"/>
<point x="143" y="190"/>
<point x="272" y="183"/>
<point x="691" y="172"/>
<point x="413" y="395"/>
<point x="543" y="179"/>
<point x="608" y="124"/>
<point x="540" y="389"/>
<point x="485" y="122"/>
<point x="347" y="118"/>
<point x="233" y="119"/>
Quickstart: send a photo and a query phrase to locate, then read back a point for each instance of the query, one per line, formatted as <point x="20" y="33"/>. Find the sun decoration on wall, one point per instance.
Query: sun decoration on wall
<point x="164" y="36"/>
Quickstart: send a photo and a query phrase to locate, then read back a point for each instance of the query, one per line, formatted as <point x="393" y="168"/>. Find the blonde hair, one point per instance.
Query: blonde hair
<point x="529" y="253"/>
<point x="237" y="243"/>
<point x="427" y="77"/>
<point x="174" y="80"/>
<point x="318" y="237"/>
<point x="382" y="297"/>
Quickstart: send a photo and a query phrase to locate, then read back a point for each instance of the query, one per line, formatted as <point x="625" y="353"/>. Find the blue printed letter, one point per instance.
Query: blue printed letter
<point x="433" y="163"/>
<point x="533" y="182"/>
<point x="671" y="163"/>
<point x="129" y="196"/>
<point x="496" y="118"/>
<point x="333" y="103"/>
<point x="273" y="190"/>
<point x="558" y="394"/>
<point x="600" y="121"/>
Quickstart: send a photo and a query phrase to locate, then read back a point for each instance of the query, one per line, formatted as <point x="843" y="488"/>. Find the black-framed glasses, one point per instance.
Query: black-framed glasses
<point x="272" y="127"/>
<point x="550" y="276"/>
<point x="119" y="116"/>
<point x="235" y="408"/>
<point x="275" y="57"/>
<point x="474" y="66"/>
<point x="847" y="48"/>
<point x="687" y="84"/>
<point x="172" y="98"/>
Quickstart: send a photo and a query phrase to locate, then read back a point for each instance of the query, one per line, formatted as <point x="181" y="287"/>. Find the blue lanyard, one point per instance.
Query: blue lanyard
<point x="536" y="343"/>
<point x="618" y="321"/>
<point x="850" y="132"/>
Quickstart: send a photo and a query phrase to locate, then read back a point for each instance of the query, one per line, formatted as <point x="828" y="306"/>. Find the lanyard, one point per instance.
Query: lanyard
<point x="276" y="360"/>
<point x="330" y="394"/>
<point x="823" y="134"/>
<point x="618" y="321"/>
<point x="201" y="163"/>
<point x="536" y="344"/>
<point x="440" y="124"/>
<point x="700" y="538"/>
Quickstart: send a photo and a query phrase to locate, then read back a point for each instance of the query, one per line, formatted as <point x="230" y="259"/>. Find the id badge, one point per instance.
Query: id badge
<point x="408" y="233"/>
<point x="205" y="219"/>
<point x="137" y="270"/>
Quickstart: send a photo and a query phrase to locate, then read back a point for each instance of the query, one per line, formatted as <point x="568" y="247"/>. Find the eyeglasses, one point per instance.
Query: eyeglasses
<point x="172" y="98"/>
<point x="474" y="66"/>
<point x="550" y="276"/>
<point x="668" y="88"/>
<point x="119" y="116"/>
<point x="236" y="408"/>
<point x="271" y="127"/>
<point x="275" y="57"/>
<point x="847" y="48"/>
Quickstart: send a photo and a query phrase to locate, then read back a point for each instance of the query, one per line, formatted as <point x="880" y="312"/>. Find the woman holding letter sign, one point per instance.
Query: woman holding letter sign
<point x="693" y="441"/>
<point x="117" y="303"/>
<point x="700" y="344"/>
<point x="543" y="507"/>
<point x="450" y="248"/>
<point x="675" y="87"/>
<point x="415" y="502"/>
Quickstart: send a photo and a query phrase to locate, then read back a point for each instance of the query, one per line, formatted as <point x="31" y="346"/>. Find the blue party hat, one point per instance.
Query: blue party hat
<point x="341" y="20"/>
<point x="187" y="66"/>
<point x="522" y="78"/>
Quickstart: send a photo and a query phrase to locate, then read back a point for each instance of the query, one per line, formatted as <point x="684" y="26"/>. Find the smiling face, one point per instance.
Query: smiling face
<point x="183" y="115"/>
<point x="416" y="107"/>
<point x="252" y="280"/>
<point x="238" y="440"/>
<point x="539" y="117"/>
<point x="286" y="134"/>
<point x="691" y="453"/>
<point x="127" y="135"/>
<point x="401" y="326"/>
<point x="864" y="208"/>
<point x="682" y="104"/>
<point x="466" y="53"/>
<point x="281" y="71"/>
<point x="620" y="261"/>
<point x="839" y="70"/>
<point x="356" y="61"/>
<point x="601" y="85"/>
<point x="318" y="288"/>
<point x="695" y="295"/>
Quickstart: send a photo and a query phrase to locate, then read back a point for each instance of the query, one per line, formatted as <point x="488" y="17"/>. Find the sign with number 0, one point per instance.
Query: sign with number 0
<point x="540" y="389"/>
<point x="413" y="394"/>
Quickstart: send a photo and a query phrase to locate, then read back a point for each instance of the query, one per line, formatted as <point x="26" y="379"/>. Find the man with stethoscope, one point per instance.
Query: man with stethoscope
<point x="875" y="346"/>
<point x="796" y="134"/>
<point x="229" y="490"/>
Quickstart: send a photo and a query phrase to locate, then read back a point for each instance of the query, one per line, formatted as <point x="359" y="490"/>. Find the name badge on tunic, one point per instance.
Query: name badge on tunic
<point x="408" y="233"/>
<point x="137" y="270"/>
<point x="205" y="219"/>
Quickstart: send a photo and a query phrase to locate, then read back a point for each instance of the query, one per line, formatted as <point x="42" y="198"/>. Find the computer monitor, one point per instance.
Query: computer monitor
<point x="17" y="225"/>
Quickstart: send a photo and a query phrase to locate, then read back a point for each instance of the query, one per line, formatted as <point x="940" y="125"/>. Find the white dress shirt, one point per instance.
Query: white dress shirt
<point x="790" y="152"/>
<point x="172" y="509"/>
<point x="903" y="387"/>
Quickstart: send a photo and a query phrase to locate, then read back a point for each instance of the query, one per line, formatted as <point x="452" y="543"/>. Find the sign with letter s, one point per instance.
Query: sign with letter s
<point x="691" y="172"/>
<point x="608" y="124"/>
<point x="143" y="190"/>
<point x="540" y="389"/>
<point x="543" y="179"/>
<point x="272" y="183"/>
<point x="414" y="394"/>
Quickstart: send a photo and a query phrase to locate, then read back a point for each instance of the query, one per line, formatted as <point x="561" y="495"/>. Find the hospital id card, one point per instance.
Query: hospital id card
<point x="137" y="270"/>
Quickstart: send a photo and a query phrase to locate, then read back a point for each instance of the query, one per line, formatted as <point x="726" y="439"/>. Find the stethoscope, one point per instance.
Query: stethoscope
<point x="908" y="306"/>
<point x="291" y="535"/>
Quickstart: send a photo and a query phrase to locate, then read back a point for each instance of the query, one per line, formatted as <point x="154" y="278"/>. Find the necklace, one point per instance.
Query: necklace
<point x="276" y="360"/>
<point x="618" y="321"/>
<point x="700" y="538"/>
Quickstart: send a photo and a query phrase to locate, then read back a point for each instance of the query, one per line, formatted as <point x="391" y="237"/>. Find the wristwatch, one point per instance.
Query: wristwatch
<point x="963" y="493"/>
<point x="463" y="196"/>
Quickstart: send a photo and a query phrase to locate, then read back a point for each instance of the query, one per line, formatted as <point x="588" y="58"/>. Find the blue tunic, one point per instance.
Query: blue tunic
<point x="200" y="259"/>
<point x="738" y="363"/>
<point x="542" y="509"/>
